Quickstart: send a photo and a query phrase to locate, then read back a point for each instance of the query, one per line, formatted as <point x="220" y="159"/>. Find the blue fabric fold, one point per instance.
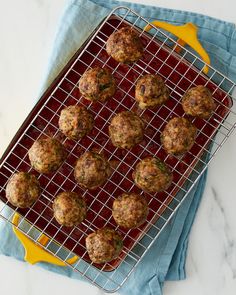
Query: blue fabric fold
<point x="165" y="260"/>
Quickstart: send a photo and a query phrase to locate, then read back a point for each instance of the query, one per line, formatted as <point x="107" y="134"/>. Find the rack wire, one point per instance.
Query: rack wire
<point x="179" y="72"/>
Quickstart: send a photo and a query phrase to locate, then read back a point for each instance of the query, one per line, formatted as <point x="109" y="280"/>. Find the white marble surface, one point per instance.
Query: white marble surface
<point x="27" y="28"/>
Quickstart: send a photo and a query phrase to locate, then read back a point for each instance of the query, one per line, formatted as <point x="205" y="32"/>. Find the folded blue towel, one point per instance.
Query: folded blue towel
<point x="165" y="260"/>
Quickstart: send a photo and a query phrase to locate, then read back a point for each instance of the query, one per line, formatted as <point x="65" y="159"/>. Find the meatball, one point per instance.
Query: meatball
<point x="69" y="209"/>
<point x="23" y="189"/>
<point x="97" y="84"/>
<point x="152" y="175"/>
<point x="125" y="46"/>
<point x="198" y="102"/>
<point x="76" y="122"/>
<point x="130" y="210"/>
<point x="92" y="170"/>
<point x="178" y="136"/>
<point x="46" y="155"/>
<point x="104" y="245"/>
<point x="126" y="130"/>
<point x="151" y="91"/>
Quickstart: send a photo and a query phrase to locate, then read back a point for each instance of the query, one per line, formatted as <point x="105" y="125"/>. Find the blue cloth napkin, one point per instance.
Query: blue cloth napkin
<point x="165" y="260"/>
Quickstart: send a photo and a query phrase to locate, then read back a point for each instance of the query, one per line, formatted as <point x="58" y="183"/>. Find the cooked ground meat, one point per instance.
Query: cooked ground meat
<point x="125" y="46"/>
<point x="198" y="102"/>
<point x="23" y="189"/>
<point x="152" y="175"/>
<point x="130" y="210"/>
<point x="47" y="155"/>
<point x="97" y="84"/>
<point x="151" y="91"/>
<point x="92" y="170"/>
<point x="76" y="122"/>
<point x="69" y="209"/>
<point x="126" y="130"/>
<point x="178" y="136"/>
<point x="104" y="245"/>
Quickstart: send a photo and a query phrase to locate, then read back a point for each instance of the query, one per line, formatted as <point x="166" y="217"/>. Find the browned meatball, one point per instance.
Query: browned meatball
<point x="97" y="84"/>
<point x="104" y="245"/>
<point x="178" y="136"/>
<point x="152" y="175"/>
<point x="47" y="155"/>
<point x="92" y="170"/>
<point x="126" y="130"/>
<point x="23" y="189"/>
<point x="130" y="210"/>
<point x="125" y="46"/>
<point x="198" y="102"/>
<point x="69" y="209"/>
<point x="76" y="121"/>
<point x="151" y="91"/>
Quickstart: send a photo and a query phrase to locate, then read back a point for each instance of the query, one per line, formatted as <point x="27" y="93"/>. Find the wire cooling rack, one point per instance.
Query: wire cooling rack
<point x="180" y="72"/>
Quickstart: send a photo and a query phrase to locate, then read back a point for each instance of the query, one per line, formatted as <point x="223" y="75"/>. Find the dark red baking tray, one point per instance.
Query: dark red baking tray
<point x="179" y="75"/>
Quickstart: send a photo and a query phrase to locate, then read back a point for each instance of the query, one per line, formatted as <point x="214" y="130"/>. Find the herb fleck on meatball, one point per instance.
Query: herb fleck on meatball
<point x="104" y="245"/>
<point x="198" y="102"/>
<point x="76" y="122"/>
<point x="125" y="46"/>
<point x="23" y="189"/>
<point x="130" y="210"/>
<point x="178" y="136"/>
<point x="126" y="130"/>
<point x="97" y="84"/>
<point x="69" y="209"/>
<point x="151" y="91"/>
<point x="92" y="170"/>
<point x="152" y="175"/>
<point x="47" y="155"/>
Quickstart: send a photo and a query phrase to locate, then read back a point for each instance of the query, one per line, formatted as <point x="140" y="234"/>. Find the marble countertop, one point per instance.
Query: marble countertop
<point x="27" y="29"/>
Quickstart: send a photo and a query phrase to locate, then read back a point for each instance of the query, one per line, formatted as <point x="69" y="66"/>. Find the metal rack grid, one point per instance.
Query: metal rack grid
<point x="65" y="93"/>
